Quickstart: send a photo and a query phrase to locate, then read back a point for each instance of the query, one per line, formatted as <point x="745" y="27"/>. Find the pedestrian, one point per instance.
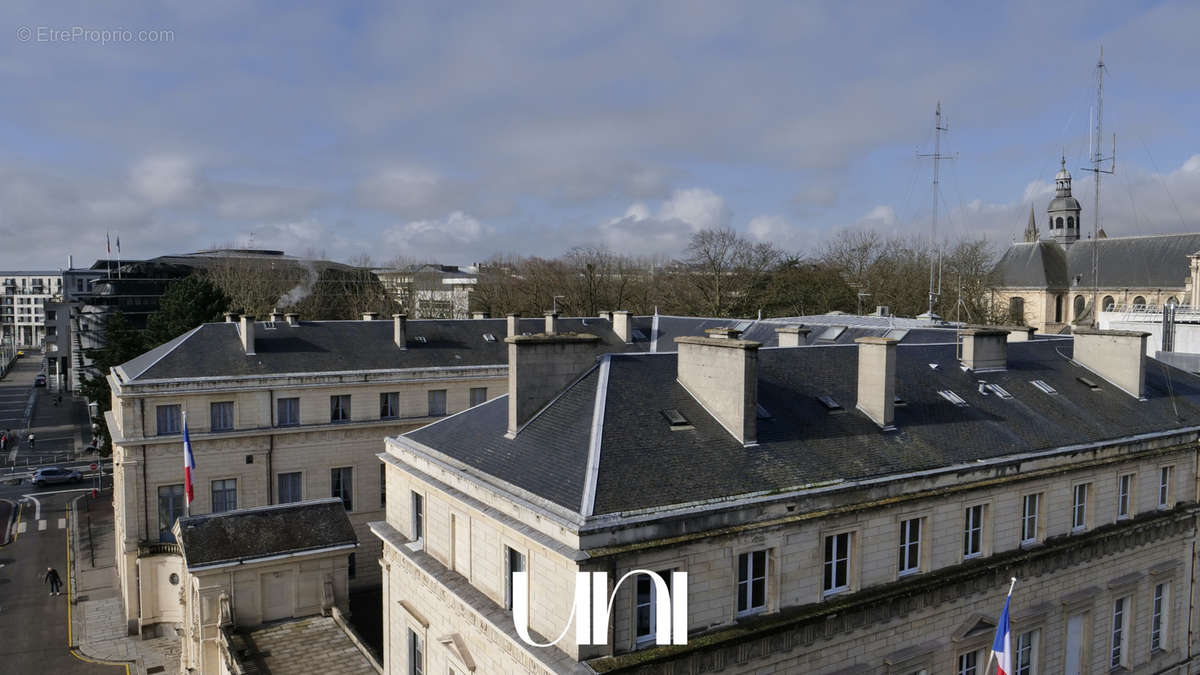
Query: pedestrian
<point x="54" y="580"/>
<point x="3" y="441"/>
<point x="30" y="437"/>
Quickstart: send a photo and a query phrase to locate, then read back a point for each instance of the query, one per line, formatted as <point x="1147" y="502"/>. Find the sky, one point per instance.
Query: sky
<point x="452" y="132"/>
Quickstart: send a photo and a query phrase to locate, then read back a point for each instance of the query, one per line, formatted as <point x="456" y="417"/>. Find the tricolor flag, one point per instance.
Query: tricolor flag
<point x="1002" y="645"/>
<point x="189" y="461"/>
<point x="107" y="243"/>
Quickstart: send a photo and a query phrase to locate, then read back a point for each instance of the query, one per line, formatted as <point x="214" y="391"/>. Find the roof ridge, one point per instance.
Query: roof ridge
<point x="596" y="439"/>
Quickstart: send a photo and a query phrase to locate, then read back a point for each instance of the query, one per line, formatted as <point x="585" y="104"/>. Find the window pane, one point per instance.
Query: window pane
<point x="288" y="411"/>
<point x="289" y="488"/>
<point x="437" y="402"/>
<point x="170" y="509"/>
<point x="168" y="419"/>
<point x="389" y="405"/>
<point x="221" y="416"/>
<point x="478" y="395"/>
<point x="224" y="495"/>
<point x="341" y="480"/>
<point x="339" y="408"/>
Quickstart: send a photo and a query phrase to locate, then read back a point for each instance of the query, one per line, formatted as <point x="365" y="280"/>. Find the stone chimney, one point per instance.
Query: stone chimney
<point x="514" y="324"/>
<point x="621" y="326"/>
<point x="370" y="316"/>
<point x="1118" y="356"/>
<point x="551" y="323"/>
<point x="479" y="315"/>
<point x="293" y="319"/>
<point x="721" y="372"/>
<point x="247" y="331"/>
<point x="400" y="330"/>
<point x="877" y="379"/>
<point x="231" y="317"/>
<point x="539" y="366"/>
<point x="607" y="315"/>
<point x="793" y="336"/>
<point x="984" y="348"/>
<point x="1019" y="333"/>
<point x="276" y="315"/>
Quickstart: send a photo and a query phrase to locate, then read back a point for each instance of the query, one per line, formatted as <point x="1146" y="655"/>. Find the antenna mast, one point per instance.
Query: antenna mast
<point x="935" y="261"/>
<point x="1098" y="169"/>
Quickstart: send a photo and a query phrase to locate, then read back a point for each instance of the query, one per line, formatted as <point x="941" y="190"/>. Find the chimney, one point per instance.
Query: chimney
<point x="607" y="315"/>
<point x="292" y="319"/>
<point x="479" y="315"/>
<point x="984" y="348"/>
<point x="1118" y="356"/>
<point x="721" y="372"/>
<point x="514" y="324"/>
<point x="877" y="379"/>
<point x="247" y="331"/>
<point x="400" y="330"/>
<point x="793" y="336"/>
<point x="551" y="323"/>
<point x="539" y="366"/>
<point x="1019" y="333"/>
<point x="276" y="315"/>
<point x="370" y="316"/>
<point x="621" y="326"/>
<point x="231" y="317"/>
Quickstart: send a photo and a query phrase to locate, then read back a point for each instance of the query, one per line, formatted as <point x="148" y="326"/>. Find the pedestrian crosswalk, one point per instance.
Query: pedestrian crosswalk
<point x="42" y="525"/>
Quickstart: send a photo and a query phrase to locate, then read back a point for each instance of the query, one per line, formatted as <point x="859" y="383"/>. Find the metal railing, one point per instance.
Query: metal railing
<point x="1132" y="312"/>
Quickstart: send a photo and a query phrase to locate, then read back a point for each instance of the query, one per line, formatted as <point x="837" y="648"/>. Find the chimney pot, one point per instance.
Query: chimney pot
<point x="247" y="333"/>
<point x="551" y="323"/>
<point x="792" y="336"/>
<point x="607" y="314"/>
<point x="877" y="379"/>
<point x="514" y="324"/>
<point x="276" y="315"/>
<point x="1118" y="356"/>
<point x="621" y="326"/>
<point x="400" y="330"/>
<point x="984" y="348"/>
<point x="370" y="316"/>
<point x="292" y="319"/>
<point x="539" y="367"/>
<point x="722" y="374"/>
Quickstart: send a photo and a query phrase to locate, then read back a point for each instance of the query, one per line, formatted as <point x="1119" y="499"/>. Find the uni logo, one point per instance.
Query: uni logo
<point x="593" y="606"/>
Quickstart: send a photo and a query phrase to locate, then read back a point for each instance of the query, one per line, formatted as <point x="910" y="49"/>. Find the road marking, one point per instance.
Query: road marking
<point x="62" y="522"/>
<point x="41" y="525"/>
<point x="37" y="513"/>
<point x="57" y="492"/>
<point x="21" y="527"/>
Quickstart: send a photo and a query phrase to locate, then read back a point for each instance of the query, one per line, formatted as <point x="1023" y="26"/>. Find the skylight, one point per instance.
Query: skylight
<point x="953" y="398"/>
<point x="488" y="337"/>
<point x="421" y="338"/>
<point x="676" y="419"/>
<point x="897" y="333"/>
<point x="1090" y="383"/>
<point x="999" y="391"/>
<point x="1041" y="384"/>
<point x="638" y="334"/>
<point x="763" y="413"/>
<point x="830" y="404"/>
<point x="832" y="333"/>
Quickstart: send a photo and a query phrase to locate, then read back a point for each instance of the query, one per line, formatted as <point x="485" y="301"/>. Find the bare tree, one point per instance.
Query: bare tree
<point x="728" y="269"/>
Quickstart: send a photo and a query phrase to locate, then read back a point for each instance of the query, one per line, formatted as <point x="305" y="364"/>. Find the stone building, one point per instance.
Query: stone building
<point x="279" y="411"/>
<point x="836" y="509"/>
<point x="23" y="295"/>
<point x="1048" y="284"/>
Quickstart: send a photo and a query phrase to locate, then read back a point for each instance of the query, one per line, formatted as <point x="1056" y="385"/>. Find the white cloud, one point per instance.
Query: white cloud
<point x="164" y="179"/>
<point x="702" y="209"/>
<point x="449" y="238"/>
<point x="882" y="215"/>
<point x="404" y="189"/>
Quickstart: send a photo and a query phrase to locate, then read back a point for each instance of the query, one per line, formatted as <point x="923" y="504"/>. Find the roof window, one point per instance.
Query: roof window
<point x="638" y="334"/>
<point x="422" y="339"/>
<point x="763" y="413"/>
<point x="999" y="391"/>
<point x="1091" y="384"/>
<point x="953" y="398"/>
<point x="832" y="333"/>
<point x="676" y="419"/>
<point x="831" y="405"/>
<point x="488" y="337"/>
<point x="1041" y="384"/>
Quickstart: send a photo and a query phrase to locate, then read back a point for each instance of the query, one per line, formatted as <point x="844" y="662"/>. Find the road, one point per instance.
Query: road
<point x="34" y="625"/>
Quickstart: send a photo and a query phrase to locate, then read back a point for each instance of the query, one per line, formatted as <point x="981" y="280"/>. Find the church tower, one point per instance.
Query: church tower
<point x="1064" y="209"/>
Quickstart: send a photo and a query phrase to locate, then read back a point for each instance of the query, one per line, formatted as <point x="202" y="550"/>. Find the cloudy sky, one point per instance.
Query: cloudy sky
<point x="455" y="131"/>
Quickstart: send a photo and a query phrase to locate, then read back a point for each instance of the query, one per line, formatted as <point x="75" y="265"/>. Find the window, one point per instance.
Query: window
<point x="389" y="405"/>
<point x="342" y="485"/>
<point x="1070" y="221"/>
<point x="1139" y="301"/>
<point x="1124" y="496"/>
<point x="644" y="606"/>
<point x="339" y="408"/>
<point x="1079" y="508"/>
<point x="752" y="582"/>
<point x="514" y="561"/>
<point x="437" y="402"/>
<point x="51" y="315"/>
<point x="1058" y="308"/>
<point x="1108" y="303"/>
<point x="168" y="419"/>
<point x="224" y="495"/>
<point x="1016" y="310"/>
<point x="1164" y="486"/>
<point x="287" y="412"/>
<point x="837" y="563"/>
<point x="418" y="517"/>
<point x="290" y="489"/>
<point x="1079" y="305"/>
<point x="973" y="531"/>
<point x="1158" y="617"/>
<point x="221" y="416"/>
<point x="968" y="663"/>
<point x="1058" y="223"/>
<point x="1025" y="658"/>
<point x="170" y="509"/>
<point x="1119" y="655"/>
<point x="351" y="566"/>
<point x="478" y="395"/>
<point x="416" y="653"/>
<point x="1029" y="518"/>
<point x="382" y="485"/>
<point x="910" y="546"/>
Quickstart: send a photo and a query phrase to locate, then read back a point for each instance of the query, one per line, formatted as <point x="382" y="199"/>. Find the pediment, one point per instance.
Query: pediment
<point x="977" y="624"/>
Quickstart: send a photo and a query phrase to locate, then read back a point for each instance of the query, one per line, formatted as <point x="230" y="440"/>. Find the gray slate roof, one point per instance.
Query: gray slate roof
<point x="265" y="531"/>
<point x="1154" y="261"/>
<point x="645" y="465"/>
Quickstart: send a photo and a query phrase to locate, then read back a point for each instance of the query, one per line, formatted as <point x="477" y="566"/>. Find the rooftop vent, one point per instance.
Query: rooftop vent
<point x="899" y="402"/>
<point x="422" y="339"/>
<point x="1045" y="388"/>
<point x="953" y="398"/>
<point x="676" y="419"/>
<point x="831" y="405"/>
<point x="488" y="337"/>
<point x="1091" y="384"/>
<point x="999" y="391"/>
<point x="269" y="325"/>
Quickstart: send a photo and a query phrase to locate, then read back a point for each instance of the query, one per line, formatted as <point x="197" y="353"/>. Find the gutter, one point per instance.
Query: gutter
<point x="281" y="556"/>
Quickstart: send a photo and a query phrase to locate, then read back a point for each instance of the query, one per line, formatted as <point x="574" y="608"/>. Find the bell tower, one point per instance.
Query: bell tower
<point x="1064" y="209"/>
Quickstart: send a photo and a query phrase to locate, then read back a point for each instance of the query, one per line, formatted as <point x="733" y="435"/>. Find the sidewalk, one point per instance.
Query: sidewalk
<point x="98" y="621"/>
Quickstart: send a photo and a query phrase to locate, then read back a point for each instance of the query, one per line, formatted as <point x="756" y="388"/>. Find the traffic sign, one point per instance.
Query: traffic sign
<point x="94" y="466"/>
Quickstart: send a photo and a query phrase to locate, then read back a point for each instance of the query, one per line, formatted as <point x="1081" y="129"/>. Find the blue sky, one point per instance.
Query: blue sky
<point x="455" y="131"/>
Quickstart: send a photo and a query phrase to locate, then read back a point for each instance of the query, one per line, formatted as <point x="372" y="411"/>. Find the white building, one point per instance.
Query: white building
<point x="21" y="305"/>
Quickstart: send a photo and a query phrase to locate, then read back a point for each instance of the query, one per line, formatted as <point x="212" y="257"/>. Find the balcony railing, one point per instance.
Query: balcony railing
<point x="146" y="549"/>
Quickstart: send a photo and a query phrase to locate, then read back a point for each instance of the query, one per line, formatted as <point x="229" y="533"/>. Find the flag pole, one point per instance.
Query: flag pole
<point x="187" y="502"/>
<point x="992" y="654"/>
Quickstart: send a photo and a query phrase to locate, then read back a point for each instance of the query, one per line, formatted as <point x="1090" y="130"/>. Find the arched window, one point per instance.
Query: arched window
<point x="1070" y="221"/>
<point x="1058" y="309"/>
<point x="1173" y="301"/>
<point x="1108" y="303"/>
<point x="1058" y="223"/>
<point x="1080" y="303"/>
<point x="1016" y="311"/>
<point x="1139" y="300"/>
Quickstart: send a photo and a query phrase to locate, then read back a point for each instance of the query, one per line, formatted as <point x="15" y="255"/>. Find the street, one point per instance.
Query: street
<point x="35" y="625"/>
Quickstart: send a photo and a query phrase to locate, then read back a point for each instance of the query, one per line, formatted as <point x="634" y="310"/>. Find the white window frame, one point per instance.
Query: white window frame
<point x="415" y="647"/>
<point x="968" y="663"/>
<point x="746" y="586"/>
<point x="417" y="508"/>
<point x="279" y="492"/>
<point x="1031" y="518"/>
<point x="649" y="636"/>
<point x="1079" y="507"/>
<point x="1160" y="617"/>
<point x="212" y="493"/>
<point x="843" y="553"/>
<point x="1026" y="644"/>
<point x="1166" y="476"/>
<point x="971" y="523"/>
<point x="508" y="572"/>
<point x="341" y="485"/>
<point x="1126" y="486"/>
<point x="905" y="565"/>
<point x="1122" y="607"/>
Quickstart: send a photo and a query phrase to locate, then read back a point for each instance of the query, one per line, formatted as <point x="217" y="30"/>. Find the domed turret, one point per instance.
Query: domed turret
<point x="1064" y="209"/>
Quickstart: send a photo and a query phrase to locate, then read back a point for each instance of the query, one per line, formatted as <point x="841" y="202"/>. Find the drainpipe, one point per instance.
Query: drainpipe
<point x="270" y="449"/>
<point x="145" y="499"/>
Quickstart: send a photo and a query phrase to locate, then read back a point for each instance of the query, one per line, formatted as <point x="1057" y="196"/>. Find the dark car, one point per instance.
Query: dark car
<point x="52" y="474"/>
<point x="39" y="381"/>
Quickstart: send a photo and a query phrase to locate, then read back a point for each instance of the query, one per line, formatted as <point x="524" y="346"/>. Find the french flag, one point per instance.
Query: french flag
<point x="189" y="461"/>
<point x="1002" y="645"/>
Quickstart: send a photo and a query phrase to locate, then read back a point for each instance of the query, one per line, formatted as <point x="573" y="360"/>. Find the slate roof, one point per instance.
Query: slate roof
<point x="265" y="531"/>
<point x="1154" y="261"/>
<point x="315" y="644"/>
<point x="765" y="330"/>
<point x="215" y="349"/>
<point x="645" y="465"/>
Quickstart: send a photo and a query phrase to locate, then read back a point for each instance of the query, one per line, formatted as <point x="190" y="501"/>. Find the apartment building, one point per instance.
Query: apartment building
<point x="280" y="411"/>
<point x="836" y="509"/>
<point x="22" y="298"/>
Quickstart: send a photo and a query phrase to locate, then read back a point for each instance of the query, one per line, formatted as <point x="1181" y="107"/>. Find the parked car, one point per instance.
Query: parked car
<point x="39" y="381"/>
<point x="52" y="474"/>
